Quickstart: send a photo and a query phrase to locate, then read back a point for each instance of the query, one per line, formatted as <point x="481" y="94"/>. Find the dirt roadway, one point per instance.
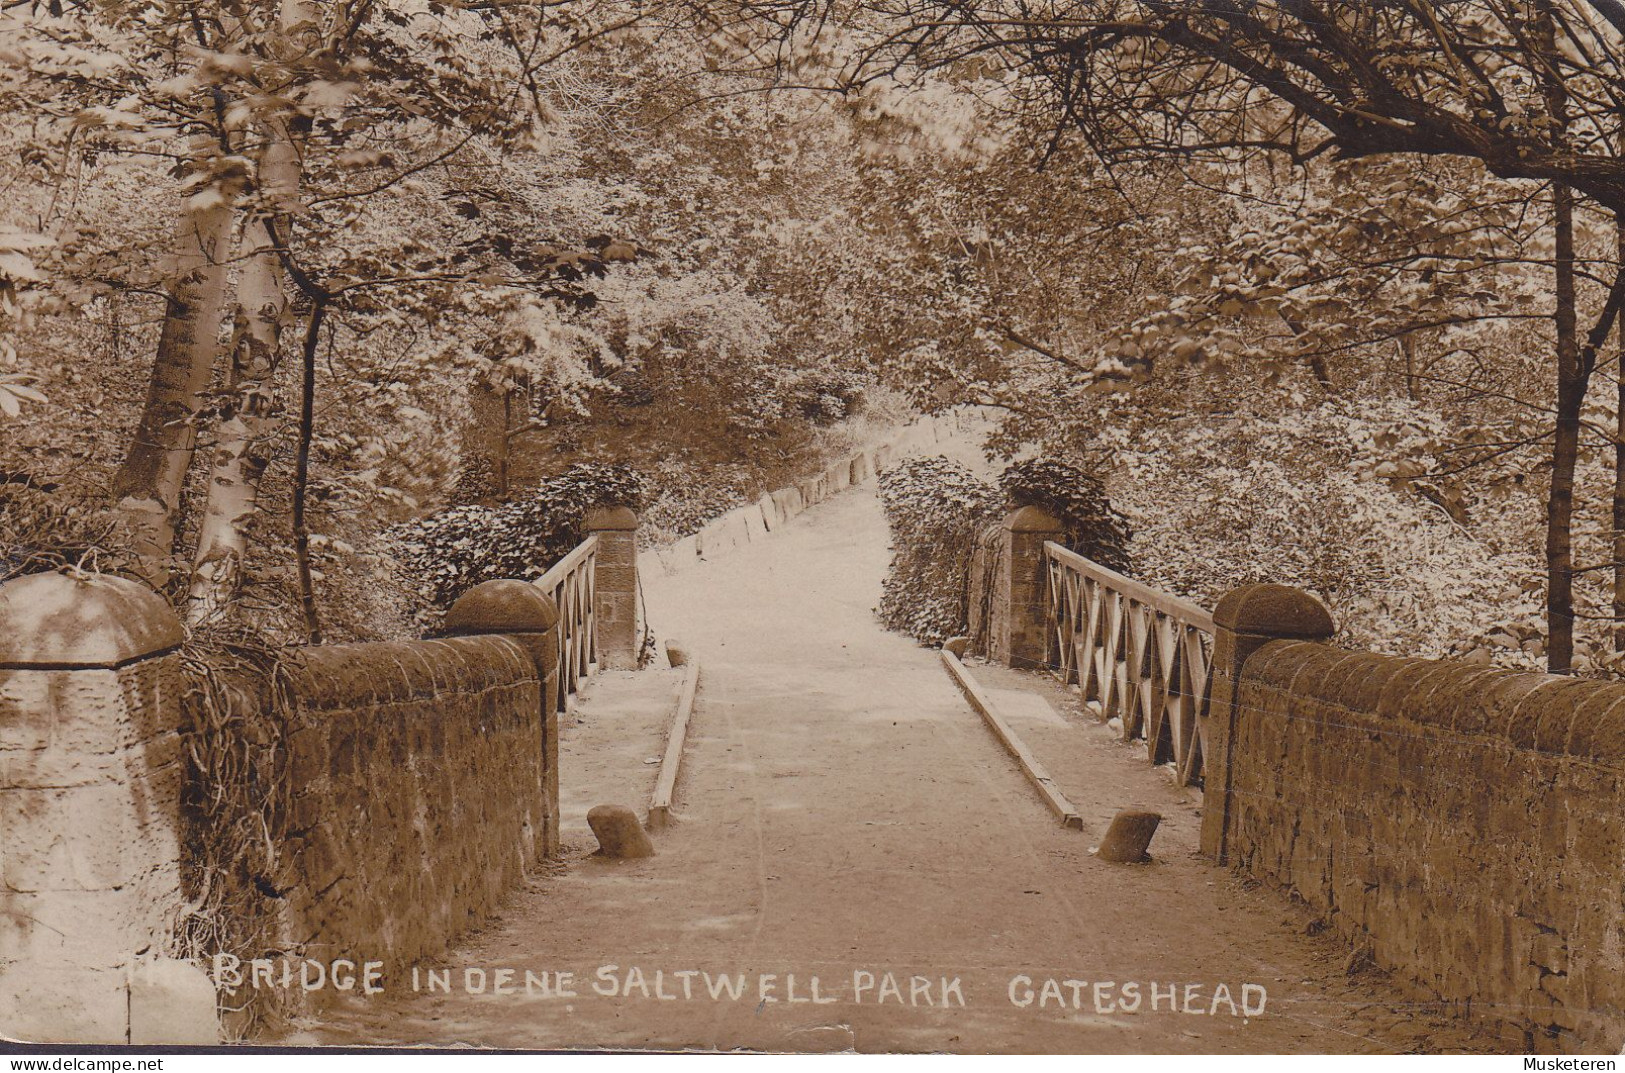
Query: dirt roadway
<point x="845" y="815"/>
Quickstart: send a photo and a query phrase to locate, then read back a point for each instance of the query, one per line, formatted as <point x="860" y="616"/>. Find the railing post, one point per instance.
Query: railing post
<point x="1021" y="615"/>
<point x="615" y="586"/>
<point x="1245" y="620"/>
<point x="91" y="772"/>
<point x="520" y="610"/>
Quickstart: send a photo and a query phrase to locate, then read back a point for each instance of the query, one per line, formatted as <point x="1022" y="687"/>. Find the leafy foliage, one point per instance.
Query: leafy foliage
<point x="1093" y="527"/>
<point x="1400" y="575"/>
<point x="44" y="527"/>
<point x="824" y="397"/>
<point x="936" y="508"/>
<point x="441" y="556"/>
<point x="681" y="508"/>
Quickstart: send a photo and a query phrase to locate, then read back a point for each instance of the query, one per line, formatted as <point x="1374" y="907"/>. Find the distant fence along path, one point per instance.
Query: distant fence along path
<point x="755" y="521"/>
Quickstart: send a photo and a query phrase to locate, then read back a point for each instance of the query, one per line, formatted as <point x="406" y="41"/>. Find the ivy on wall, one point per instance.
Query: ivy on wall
<point x="1093" y="527"/>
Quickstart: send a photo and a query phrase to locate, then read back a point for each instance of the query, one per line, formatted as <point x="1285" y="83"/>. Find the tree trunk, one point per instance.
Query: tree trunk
<point x="1619" y="470"/>
<point x="243" y="438"/>
<point x="301" y="475"/>
<point x="1407" y="348"/>
<point x="148" y="485"/>
<point x="1571" y="390"/>
<point x="484" y="471"/>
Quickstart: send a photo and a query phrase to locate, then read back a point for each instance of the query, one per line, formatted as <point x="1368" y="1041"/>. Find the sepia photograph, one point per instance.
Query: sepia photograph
<point x="811" y="527"/>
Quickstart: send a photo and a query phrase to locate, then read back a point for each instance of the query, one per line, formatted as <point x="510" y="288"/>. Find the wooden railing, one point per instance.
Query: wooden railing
<point x="571" y="583"/>
<point x="1143" y="655"/>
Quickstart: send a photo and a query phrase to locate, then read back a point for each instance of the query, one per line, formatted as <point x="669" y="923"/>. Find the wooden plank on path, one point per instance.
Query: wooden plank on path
<point x="666" y="784"/>
<point x="1030" y="766"/>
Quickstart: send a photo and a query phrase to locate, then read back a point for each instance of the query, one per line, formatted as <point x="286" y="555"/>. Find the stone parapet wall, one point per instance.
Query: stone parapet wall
<point x="418" y="793"/>
<point x="90" y="789"/>
<point x="1462" y="825"/>
<point x="421" y="784"/>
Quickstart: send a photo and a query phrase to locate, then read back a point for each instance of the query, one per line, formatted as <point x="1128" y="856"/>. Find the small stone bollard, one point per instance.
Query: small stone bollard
<point x="676" y="654"/>
<point x="1128" y="836"/>
<point x="619" y="833"/>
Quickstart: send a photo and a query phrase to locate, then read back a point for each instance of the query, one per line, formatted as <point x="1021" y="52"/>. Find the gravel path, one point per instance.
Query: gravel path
<point x="845" y="816"/>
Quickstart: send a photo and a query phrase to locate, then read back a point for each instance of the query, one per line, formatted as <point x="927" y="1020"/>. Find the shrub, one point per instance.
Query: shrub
<point x="826" y="397"/>
<point x="935" y="508"/>
<point x="234" y="807"/>
<point x="443" y="555"/>
<point x="689" y="498"/>
<point x="1094" y="528"/>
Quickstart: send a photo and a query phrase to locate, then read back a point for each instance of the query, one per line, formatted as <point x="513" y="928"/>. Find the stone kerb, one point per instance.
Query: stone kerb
<point x="616" y="582"/>
<point x="788" y="501"/>
<point x="90" y="786"/>
<point x="1245" y="620"/>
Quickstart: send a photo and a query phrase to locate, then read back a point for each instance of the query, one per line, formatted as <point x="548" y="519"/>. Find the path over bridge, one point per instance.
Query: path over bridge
<point x="844" y="814"/>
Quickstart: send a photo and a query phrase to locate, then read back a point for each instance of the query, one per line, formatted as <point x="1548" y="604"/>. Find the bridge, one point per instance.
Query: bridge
<point x="845" y="816"/>
<point x="862" y="852"/>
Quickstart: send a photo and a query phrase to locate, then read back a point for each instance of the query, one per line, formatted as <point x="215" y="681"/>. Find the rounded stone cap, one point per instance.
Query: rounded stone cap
<point x="1273" y="611"/>
<point x="1032" y="520"/>
<point x="504" y="606"/>
<point x="90" y="620"/>
<point x="611" y="518"/>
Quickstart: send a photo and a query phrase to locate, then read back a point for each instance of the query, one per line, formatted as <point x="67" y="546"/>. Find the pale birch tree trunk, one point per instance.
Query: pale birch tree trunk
<point x="148" y="485"/>
<point x="243" y="437"/>
<point x="264" y="309"/>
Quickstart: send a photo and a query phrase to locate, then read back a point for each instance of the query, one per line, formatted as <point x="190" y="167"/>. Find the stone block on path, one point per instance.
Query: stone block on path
<point x="1128" y="836"/>
<point x="619" y="833"/>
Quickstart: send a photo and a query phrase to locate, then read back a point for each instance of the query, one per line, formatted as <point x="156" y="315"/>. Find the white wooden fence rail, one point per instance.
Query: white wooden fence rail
<point x="1143" y="655"/>
<point x="570" y="582"/>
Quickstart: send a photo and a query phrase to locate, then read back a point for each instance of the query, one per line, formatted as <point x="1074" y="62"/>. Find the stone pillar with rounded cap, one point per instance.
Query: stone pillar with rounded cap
<point x="90" y="788"/>
<point x="615" y="582"/>
<point x="1245" y="620"/>
<point x="1020" y="627"/>
<point x="530" y="616"/>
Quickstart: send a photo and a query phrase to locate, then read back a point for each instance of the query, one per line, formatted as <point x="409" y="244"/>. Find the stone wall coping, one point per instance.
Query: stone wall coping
<point x="1553" y="714"/>
<point x="1273" y="611"/>
<point x="611" y="518"/>
<point x="351" y="676"/>
<point x="501" y="606"/>
<point x="1032" y="520"/>
<point x="91" y="620"/>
